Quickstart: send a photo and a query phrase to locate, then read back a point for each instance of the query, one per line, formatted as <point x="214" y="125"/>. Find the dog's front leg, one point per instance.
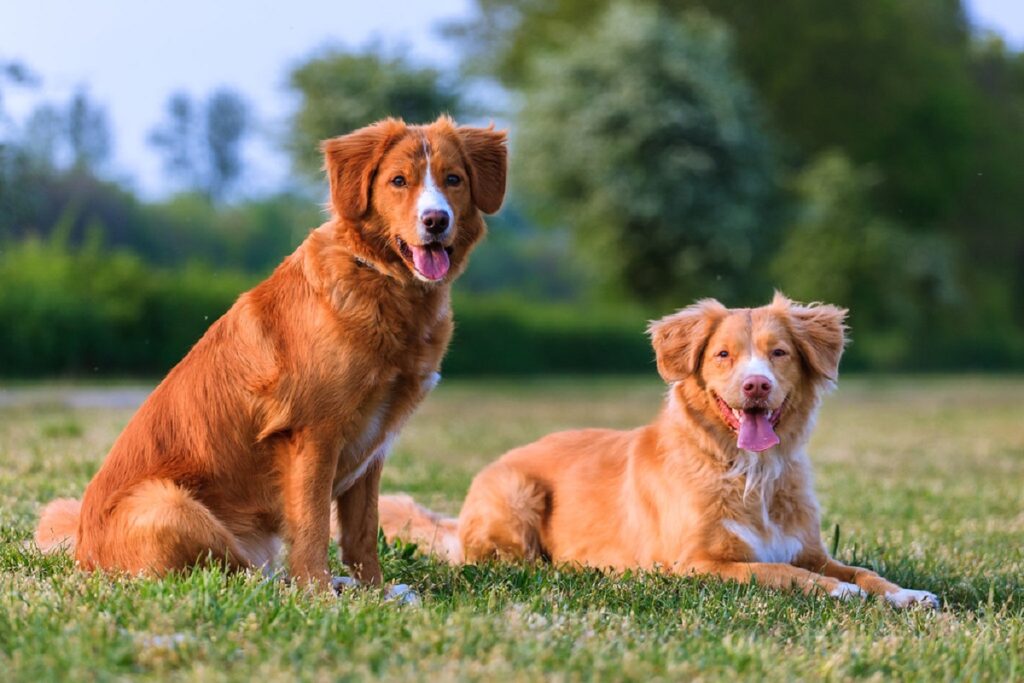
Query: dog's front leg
<point x="357" y="517"/>
<point x="869" y="582"/>
<point x="776" y="575"/>
<point x="307" y="471"/>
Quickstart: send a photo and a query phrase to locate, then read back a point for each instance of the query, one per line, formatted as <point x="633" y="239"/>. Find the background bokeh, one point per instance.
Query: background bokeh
<point x="861" y="152"/>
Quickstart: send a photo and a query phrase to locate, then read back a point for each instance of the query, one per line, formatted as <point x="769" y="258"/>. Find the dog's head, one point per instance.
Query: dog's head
<point x="413" y="194"/>
<point x="755" y="374"/>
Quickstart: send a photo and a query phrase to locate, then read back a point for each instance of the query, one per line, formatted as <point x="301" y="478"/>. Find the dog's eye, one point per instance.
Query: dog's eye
<point x="722" y="354"/>
<point x="398" y="181"/>
<point x="453" y="180"/>
<point x="779" y="353"/>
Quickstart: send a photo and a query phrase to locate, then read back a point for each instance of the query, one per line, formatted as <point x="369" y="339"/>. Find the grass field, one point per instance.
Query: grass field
<point x="924" y="476"/>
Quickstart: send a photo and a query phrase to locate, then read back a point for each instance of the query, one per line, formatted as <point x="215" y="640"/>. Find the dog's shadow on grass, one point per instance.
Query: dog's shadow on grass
<point x="956" y="589"/>
<point x="581" y="588"/>
<point x="590" y="588"/>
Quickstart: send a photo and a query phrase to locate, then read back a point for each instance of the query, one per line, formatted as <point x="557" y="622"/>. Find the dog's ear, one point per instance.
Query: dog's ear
<point x="819" y="332"/>
<point x="679" y="339"/>
<point x="487" y="156"/>
<point x="351" y="163"/>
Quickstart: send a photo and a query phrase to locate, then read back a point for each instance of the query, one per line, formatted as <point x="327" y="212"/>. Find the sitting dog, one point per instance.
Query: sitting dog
<point x="292" y="399"/>
<point x="719" y="484"/>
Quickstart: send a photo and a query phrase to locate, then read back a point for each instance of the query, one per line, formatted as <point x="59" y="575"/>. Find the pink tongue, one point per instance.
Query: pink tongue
<point x="431" y="262"/>
<point x="756" y="433"/>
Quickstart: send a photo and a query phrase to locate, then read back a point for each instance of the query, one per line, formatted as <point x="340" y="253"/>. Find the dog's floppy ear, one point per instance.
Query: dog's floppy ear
<point x="488" y="165"/>
<point x="679" y="339"/>
<point x="351" y="162"/>
<point x="819" y="331"/>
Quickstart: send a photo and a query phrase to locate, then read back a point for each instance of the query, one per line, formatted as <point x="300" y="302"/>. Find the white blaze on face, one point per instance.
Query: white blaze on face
<point x="432" y="199"/>
<point x="757" y="366"/>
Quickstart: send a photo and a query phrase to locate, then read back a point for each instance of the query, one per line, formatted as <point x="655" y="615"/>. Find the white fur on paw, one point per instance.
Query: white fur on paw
<point x="905" y="597"/>
<point x="340" y="583"/>
<point x="845" y="591"/>
<point x="402" y="594"/>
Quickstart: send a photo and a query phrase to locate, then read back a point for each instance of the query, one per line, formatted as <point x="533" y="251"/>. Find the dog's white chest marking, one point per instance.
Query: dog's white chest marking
<point x="357" y="449"/>
<point x="372" y="434"/>
<point x="770" y="545"/>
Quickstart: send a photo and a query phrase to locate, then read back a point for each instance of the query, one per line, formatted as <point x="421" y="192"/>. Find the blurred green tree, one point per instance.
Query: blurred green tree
<point x="988" y="226"/>
<point x="838" y="249"/>
<point x="88" y="133"/>
<point x="14" y="73"/>
<point x="175" y="140"/>
<point x="227" y="122"/>
<point x="887" y="81"/>
<point x="643" y="138"/>
<point x="73" y="136"/>
<point x="204" y="156"/>
<point x="43" y="136"/>
<point x="340" y="91"/>
<point x="903" y="87"/>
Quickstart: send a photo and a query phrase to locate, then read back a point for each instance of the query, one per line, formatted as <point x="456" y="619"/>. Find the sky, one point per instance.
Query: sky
<point x="131" y="54"/>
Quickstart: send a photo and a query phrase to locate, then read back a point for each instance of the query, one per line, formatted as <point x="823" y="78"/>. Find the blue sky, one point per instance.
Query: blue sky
<point x="132" y="53"/>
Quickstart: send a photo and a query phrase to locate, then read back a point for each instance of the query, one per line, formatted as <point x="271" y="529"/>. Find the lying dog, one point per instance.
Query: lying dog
<point x="719" y="484"/>
<point x="293" y="398"/>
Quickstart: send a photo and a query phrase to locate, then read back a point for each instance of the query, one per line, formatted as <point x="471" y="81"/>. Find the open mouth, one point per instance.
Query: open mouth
<point x="754" y="426"/>
<point x="430" y="261"/>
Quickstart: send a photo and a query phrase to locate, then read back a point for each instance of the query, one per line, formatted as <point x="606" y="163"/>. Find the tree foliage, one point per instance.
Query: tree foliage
<point x="202" y="146"/>
<point x="227" y="121"/>
<point x="340" y="91"/>
<point x="643" y="139"/>
<point x="75" y="135"/>
<point x="887" y="81"/>
<point x="175" y="139"/>
<point x="17" y="74"/>
<point x="894" y="282"/>
<point x="904" y="88"/>
<point x="88" y="133"/>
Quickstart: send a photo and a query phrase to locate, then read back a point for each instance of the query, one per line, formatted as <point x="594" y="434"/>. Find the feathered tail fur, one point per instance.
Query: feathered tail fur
<point x="58" y="525"/>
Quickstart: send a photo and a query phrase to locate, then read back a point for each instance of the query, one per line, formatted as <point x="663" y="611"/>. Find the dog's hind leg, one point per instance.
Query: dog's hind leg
<point x="502" y="516"/>
<point x="159" y="527"/>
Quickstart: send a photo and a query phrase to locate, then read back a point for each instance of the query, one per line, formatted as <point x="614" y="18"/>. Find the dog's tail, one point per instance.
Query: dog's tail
<point x="401" y="517"/>
<point x="58" y="525"/>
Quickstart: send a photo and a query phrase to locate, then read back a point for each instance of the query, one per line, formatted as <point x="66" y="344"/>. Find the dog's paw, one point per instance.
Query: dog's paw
<point x="905" y="597"/>
<point x="847" y="591"/>
<point x="402" y="594"/>
<point x="343" y="583"/>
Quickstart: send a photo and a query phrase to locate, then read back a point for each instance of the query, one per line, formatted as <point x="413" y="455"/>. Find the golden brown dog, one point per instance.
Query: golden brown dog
<point x="719" y="483"/>
<point x="292" y="399"/>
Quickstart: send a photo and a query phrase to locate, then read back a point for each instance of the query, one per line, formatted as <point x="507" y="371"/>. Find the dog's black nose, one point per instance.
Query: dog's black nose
<point x="757" y="386"/>
<point x="435" y="221"/>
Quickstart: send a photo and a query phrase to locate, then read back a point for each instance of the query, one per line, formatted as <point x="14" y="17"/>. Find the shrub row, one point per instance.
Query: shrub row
<point x="93" y="313"/>
<point x="513" y="336"/>
<point x="87" y="312"/>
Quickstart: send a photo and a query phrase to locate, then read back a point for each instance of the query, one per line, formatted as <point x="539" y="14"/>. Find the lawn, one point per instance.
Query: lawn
<point x="923" y="476"/>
